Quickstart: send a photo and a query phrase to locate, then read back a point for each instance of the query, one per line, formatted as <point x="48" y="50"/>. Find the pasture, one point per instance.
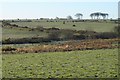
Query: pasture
<point x="93" y="26"/>
<point x="75" y="64"/>
<point x="18" y="32"/>
<point x="65" y="58"/>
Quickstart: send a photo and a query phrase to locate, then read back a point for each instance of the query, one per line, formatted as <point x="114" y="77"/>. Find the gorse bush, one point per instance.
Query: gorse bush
<point x="40" y="28"/>
<point x="8" y="48"/>
<point x="54" y="35"/>
<point x="5" y="23"/>
<point x="79" y="37"/>
<point x="106" y="35"/>
<point x="61" y="35"/>
<point x="117" y="30"/>
<point x="26" y="40"/>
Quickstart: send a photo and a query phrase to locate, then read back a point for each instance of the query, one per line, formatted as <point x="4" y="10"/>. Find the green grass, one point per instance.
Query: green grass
<point x="19" y="33"/>
<point x="0" y="64"/>
<point x="96" y="26"/>
<point x="0" y="23"/>
<point x="74" y="64"/>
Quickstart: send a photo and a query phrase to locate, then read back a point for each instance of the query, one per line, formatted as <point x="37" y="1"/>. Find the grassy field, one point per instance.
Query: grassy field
<point x="74" y="64"/>
<point x="0" y="64"/>
<point x="96" y="26"/>
<point x="102" y="63"/>
<point x="8" y="32"/>
<point x="20" y="33"/>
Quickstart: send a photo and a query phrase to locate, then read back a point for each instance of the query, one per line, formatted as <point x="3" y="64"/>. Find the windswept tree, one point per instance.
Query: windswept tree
<point x="57" y="18"/>
<point x="106" y="14"/>
<point x="97" y="15"/>
<point x="92" y="16"/>
<point x="69" y="17"/>
<point x="103" y="15"/>
<point x="79" y="16"/>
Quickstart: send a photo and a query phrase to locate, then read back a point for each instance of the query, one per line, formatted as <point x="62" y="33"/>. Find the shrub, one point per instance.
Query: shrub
<point x="29" y="20"/>
<point x="25" y="27"/>
<point x="74" y="25"/>
<point x="13" y="21"/>
<point x="79" y="37"/>
<point x="14" y="25"/>
<point x="106" y="35"/>
<point x="117" y="30"/>
<point x="54" y="35"/>
<point x="53" y="28"/>
<point x="67" y="34"/>
<point x="6" y="40"/>
<point x="63" y="22"/>
<point x="8" y="48"/>
<point x="5" y="23"/>
<point x="31" y="29"/>
<point x="26" y="40"/>
<point x="40" y="28"/>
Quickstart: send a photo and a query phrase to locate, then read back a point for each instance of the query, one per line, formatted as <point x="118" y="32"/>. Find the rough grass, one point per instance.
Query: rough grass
<point x="96" y="26"/>
<point x="75" y="64"/>
<point x="0" y="64"/>
<point x="20" y="33"/>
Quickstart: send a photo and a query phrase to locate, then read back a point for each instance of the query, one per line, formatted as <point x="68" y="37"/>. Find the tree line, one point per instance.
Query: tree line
<point x="96" y="15"/>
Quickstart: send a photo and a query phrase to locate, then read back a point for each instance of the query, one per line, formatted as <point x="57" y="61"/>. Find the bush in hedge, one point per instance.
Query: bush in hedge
<point x="8" y="48"/>
<point x="106" y="35"/>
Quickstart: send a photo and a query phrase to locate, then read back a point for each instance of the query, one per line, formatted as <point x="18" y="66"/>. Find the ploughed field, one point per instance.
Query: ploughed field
<point x="73" y="64"/>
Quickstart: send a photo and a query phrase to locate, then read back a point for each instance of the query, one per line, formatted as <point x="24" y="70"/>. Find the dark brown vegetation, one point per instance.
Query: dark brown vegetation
<point x="8" y="48"/>
<point x="68" y="46"/>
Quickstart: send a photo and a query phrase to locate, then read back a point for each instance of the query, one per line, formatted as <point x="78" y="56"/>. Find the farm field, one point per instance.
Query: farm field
<point x="79" y="51"/>
<point x="0" y="23"/>
<point x="94" y="26"/>
<point x="101" y="63"/>
<point x="51" y="40"/>
<point x="0" y="64"/>
<point x="17" y="33"/>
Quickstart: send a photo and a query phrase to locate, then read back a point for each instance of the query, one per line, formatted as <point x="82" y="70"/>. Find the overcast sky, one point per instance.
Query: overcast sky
<point x="50" y="9"/>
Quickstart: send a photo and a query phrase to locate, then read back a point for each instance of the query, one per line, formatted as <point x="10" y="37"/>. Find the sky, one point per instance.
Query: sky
<point x="33" y="9"/>
<point x="119" y="9"/>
